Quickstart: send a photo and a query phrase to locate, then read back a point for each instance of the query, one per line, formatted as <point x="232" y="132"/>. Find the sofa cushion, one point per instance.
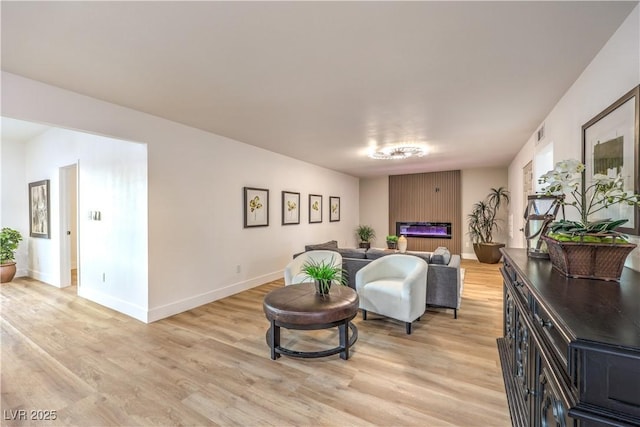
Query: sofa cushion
<point x="424" y="255"/>
<point x="331" y="244"/>
<point x="377" y="253"/>
<point x="441" y="256"/>
<point x="352" y="253"/>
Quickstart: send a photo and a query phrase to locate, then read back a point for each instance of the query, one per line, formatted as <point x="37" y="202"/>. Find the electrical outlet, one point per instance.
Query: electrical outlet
<point x="104" y="277"/>
<point x="238" y="268"/>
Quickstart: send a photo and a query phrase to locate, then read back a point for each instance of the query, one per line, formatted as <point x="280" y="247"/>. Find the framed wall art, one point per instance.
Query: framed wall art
<point x="610" y="147"/>
<point x="290" y="208"/>
<point x="315" y="208"/>
<point x="334" y="209"/>
<point x="39" y="210"/>
<point x="256" y="207"/>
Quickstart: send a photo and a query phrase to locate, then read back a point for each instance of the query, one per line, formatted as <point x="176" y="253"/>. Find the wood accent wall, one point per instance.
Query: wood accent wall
<point x="435" y="197"/>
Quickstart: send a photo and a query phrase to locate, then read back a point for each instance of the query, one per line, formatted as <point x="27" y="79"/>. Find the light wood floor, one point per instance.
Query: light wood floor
<point x="211" y="365"/>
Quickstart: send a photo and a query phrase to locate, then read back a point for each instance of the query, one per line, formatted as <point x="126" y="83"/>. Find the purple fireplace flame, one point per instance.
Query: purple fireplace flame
<point x="429" y="230"/>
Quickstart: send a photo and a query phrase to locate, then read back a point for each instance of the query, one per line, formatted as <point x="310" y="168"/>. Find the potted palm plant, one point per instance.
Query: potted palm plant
<point x="365" y="234"/>
<point x="483" y="221"/>
<point x="324" y="274"/>
<point x="587" y="248"/>
<point x="9" y="240"/>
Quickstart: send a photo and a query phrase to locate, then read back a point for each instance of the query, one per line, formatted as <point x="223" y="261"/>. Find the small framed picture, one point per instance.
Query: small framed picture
<point x="256" y="207"/>
<point x="334" y="209"/>
<point x="290" y="208"/>
<point x="39" y="210"/>
<point x="315" y="208"/>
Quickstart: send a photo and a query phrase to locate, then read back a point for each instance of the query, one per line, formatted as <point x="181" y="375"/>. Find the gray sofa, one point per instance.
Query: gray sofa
<point x="444" y="282"/>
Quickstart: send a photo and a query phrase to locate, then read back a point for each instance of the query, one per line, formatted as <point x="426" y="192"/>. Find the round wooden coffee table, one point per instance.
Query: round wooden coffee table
<point x="300" y="307"/>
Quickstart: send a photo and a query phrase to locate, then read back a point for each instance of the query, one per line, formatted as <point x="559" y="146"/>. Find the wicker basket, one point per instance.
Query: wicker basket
<point x="602" y="261"/>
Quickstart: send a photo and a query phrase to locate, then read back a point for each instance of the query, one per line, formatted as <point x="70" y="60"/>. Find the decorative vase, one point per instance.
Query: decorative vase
<point x="488" y="253"/>
<point x="7" y="272"/>
<point x="586" y="260"/>
<point x="402" y="244"/>
<point x="323" y="287"/>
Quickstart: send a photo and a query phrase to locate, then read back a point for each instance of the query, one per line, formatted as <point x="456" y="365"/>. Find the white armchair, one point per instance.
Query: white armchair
<point x="394" y="286"/>
<point x="293" y="273"/>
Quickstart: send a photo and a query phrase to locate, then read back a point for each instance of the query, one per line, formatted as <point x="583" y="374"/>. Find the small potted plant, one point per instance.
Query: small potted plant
<point x="365" y="234"/>
<point x="587" y="248"/>
<point x="483" y="221"/>
<point x="324" y="274"/>
<point x="392" y="241"/>
<point x="9" y="240"/>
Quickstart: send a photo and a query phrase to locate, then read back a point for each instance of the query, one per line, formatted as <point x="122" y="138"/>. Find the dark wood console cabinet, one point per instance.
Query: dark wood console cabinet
<point x="570" y="353"/>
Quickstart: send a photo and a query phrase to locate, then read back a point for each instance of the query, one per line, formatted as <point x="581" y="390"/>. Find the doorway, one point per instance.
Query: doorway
<point x="69" y="274"/>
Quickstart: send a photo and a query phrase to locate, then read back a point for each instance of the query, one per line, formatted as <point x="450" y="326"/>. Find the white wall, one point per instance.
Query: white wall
<point x="374" y="208"/>
<point x="476" y="184"/>
<point x="611" y="74"/>
<point x="112" y="179"/>
<point x="195" y="179"/>
<point x="14" y="212"/>
<point x="44" y="156"/>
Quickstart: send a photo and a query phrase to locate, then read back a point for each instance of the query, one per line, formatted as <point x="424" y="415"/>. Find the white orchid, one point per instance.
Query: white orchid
<point x="603" y="192"/>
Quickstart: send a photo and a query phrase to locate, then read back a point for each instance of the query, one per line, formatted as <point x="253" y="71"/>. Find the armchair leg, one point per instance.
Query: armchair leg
<point x="455" y="313"/>
<point x="408" y="327"/>
<point x="364" y="314"/>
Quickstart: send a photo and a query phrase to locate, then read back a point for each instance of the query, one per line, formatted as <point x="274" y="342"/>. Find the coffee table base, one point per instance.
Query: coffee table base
<point x="273" y="339"/>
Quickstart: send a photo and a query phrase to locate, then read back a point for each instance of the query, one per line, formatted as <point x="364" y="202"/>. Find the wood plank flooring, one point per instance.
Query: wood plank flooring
<point x="211" y="365"/>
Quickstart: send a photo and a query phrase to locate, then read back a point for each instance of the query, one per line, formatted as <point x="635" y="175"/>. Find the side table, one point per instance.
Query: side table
<point x="300" y="307"/>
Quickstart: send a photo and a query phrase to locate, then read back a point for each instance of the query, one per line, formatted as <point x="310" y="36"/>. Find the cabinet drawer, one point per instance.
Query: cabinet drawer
<point x="546" y="327"/>
<point x="521" y="292"/>
<point x="613" y="380"/>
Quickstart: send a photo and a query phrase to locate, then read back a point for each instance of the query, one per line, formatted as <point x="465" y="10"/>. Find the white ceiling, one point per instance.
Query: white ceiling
<point x="323" y="81"/>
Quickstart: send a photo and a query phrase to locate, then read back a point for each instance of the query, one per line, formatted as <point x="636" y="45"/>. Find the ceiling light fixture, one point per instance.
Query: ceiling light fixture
<point x="397" y="152"/>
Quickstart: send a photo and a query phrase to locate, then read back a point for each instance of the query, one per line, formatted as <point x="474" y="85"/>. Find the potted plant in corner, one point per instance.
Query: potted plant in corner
<point x="584" y="248"/>
<point x="392" y="241"/>
<point x="365" y="234"/>
<point x="324" y="274"/>
<point x="483" y="221"/>
<point x="9" y="240"/>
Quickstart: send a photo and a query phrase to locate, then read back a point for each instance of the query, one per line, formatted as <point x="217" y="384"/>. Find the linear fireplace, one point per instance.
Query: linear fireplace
<point x="429" y="230"/>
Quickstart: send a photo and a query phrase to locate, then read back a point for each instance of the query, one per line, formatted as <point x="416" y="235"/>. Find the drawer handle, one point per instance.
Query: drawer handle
<point x="519" y="283"/>
<point x="544" y="323"/>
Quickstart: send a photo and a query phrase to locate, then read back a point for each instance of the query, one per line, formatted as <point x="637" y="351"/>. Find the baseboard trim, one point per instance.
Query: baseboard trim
<point x="177" y="307"/>
<point x="124" y="307"/>
<point x="45" y="278"/>
<point x="469" y="255"/>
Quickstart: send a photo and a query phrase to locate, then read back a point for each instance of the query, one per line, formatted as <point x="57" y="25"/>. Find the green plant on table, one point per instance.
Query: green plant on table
<point x="392" y="238"/>
<point x="9" y="240"/>
<point x="567" y="178"/>
<point x="325" y="273"/>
